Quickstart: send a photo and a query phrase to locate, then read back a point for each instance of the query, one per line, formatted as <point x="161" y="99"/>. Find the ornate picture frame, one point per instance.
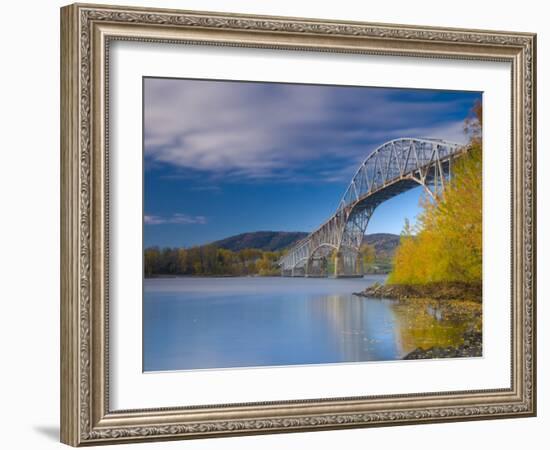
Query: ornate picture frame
<point x="87" y="31"/>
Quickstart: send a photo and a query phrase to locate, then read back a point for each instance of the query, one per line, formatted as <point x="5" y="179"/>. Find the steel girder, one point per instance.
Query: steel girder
<point x="392" y="168"/>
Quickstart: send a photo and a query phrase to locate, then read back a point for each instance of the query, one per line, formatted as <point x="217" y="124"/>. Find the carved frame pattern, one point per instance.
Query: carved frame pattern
<point x="85" y="416"/>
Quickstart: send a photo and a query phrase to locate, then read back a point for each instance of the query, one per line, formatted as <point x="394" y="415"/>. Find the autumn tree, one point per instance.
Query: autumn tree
<point x="446" y="245"/>
<point x="367" y="255"/>
<point x="207" y="260"/>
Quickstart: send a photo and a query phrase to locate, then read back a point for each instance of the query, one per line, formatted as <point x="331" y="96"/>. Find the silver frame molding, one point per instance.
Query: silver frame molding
<point x="86" y="32"/>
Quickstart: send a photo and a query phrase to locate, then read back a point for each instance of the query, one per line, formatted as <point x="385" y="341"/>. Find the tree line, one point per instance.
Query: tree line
<point x="446" y="243"/>
<point x="209" y="260"/>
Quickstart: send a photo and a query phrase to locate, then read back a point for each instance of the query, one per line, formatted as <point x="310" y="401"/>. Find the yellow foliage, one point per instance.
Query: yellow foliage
<point x="447" y="246"/>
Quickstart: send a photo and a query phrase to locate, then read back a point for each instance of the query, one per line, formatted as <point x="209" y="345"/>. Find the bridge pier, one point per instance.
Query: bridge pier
<point x="317" y="267"/>
<point x="337" y="257"/>
<point x="347" y="264"/>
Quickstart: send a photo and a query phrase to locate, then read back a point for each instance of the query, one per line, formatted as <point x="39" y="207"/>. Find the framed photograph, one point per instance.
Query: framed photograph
<point x="275" y="224"/>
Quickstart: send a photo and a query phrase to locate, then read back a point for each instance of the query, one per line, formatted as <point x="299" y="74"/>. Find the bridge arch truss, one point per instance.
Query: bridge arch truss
<point x="394" y="167"/>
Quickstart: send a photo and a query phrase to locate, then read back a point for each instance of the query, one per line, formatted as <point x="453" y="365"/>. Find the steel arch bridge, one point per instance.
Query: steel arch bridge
<point x="392" y="168"/>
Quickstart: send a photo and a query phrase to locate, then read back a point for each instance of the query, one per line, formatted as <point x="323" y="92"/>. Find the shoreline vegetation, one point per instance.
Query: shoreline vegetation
<point x="209" y="260"/>
<point x="254" y="254"/>
<point x="445" y="245"/>
<point x="440" y="258"/>
<point x="212" y="261"/>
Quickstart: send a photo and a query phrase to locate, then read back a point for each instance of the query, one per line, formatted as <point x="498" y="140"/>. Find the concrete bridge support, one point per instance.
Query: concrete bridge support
<point x="348" y="264"/>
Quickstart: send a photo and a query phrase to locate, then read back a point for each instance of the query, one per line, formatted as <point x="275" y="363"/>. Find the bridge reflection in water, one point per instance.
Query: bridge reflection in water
<point x="395" y="167"/>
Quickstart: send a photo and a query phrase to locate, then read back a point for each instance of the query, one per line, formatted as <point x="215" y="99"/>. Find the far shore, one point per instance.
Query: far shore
<point x="169" y="275"/>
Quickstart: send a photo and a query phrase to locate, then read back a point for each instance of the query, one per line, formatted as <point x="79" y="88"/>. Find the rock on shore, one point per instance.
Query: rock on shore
<point x="471" y="347"/>
<point x="454" y="301"/>
<point x="436" y="291"/>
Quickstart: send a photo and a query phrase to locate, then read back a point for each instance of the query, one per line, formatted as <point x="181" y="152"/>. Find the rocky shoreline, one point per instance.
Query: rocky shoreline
<point x="471" y="347"/>
<point x="454" y="300"/>
<point x="435" y="291"/>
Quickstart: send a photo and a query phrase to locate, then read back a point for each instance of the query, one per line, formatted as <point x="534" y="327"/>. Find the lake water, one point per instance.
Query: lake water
<point x="204" y="323"/>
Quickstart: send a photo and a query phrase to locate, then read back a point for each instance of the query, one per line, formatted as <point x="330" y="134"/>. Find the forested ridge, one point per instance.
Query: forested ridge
<point x="271" y="241"/>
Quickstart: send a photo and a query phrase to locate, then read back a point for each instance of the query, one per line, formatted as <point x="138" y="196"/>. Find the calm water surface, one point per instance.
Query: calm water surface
<point x="201" y="323"/>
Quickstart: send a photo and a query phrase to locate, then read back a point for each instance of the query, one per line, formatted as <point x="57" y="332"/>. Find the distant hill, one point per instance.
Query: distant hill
<point x="262" y="240"/>
<point x="384" y="243"/>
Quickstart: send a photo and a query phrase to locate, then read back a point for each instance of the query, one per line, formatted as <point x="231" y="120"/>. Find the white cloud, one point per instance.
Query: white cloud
<point x="259" y="130"/>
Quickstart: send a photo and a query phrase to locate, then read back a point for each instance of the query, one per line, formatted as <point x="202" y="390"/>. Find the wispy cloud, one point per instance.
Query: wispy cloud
<point x="177" y="218"/>
<point x="281" y="131"/>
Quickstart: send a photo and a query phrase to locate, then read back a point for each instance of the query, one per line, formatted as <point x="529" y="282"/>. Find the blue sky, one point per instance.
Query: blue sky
<point x="225" y="157"/>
